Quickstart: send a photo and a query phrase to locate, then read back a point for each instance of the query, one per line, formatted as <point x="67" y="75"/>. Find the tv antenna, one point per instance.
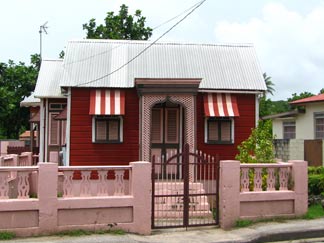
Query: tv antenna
<point x="41" y="29"/>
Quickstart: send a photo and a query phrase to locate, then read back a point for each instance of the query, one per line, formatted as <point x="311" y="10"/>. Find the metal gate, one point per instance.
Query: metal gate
<point x="185" y="189"/>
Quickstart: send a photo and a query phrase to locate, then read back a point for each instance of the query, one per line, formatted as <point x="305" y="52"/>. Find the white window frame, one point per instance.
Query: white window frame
<point x="317" y="115"/>
<point x="285" y="124"/>
<point x="121" y="126"/>
<point x="219" y="143"/>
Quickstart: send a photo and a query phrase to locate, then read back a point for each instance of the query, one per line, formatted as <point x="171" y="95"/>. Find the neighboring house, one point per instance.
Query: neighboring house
<point x="34" y="105"/>
<point x="51" y="106"/>
<point x="122" y="105"/>
<point x="301" y="131"/>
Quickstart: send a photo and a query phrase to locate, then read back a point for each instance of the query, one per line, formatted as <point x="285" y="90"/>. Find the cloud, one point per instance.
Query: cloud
<point x="289" y="45"/>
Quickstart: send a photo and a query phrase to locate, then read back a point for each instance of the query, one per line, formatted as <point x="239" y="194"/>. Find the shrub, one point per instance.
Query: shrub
<point x="258" y="148"/>
<point x="315" y="180"/>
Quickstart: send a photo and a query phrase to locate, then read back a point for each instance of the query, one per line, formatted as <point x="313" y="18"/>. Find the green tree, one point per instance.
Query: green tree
<point x="16" y="82"/>
<point x="266" y="105"/>
<point x="258" y="148"/>
<point x="321" y="91"/>
<point x="269" y="84"/>
<point x="121" y="26"/>
<point x="302" y="95"/>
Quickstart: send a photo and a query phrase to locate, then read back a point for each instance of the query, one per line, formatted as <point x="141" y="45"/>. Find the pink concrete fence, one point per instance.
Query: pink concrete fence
<point x="67" y="198"/>
<point x="277" y="190"/>
<point x="24" y="159"/>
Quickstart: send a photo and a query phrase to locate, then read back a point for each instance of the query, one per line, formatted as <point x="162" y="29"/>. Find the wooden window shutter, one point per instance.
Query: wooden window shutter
<point x="113" y="130"/>
<point x="172" y="125"/>
<point x="213" y="130"/>
<point x="226" y="131"/>
<point x="53" y="130"/>
<point x="101" y="130"/>
<point x="63" y="127"/>
<point x="156" y="126"/>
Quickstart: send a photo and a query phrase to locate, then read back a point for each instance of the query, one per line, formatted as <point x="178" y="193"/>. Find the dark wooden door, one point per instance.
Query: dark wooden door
<point x="165" y="129"/>
<point x="313" y="152"/>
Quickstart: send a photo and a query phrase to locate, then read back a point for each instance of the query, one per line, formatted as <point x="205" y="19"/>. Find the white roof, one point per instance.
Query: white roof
<point x="30" y="101"/>
<point x="105" y="63"/>
<point x="49" y="78"/>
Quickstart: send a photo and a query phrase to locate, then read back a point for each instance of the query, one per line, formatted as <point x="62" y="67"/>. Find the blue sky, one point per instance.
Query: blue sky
<point x="287" y="34"/>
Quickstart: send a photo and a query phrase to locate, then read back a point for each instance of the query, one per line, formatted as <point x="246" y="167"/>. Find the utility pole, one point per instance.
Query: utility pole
<point x="41" y="29"/>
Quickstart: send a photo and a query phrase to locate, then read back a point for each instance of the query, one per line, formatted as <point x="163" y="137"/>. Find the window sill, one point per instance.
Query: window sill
<point x="219" y="143"/>
<point x="107" y="142"/>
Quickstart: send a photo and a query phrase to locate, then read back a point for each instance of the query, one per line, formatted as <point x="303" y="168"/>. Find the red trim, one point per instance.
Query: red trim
<point x="224" y="103"/>
<point x="122" y="102"/>
<point x="92" y="102"/>
<point x="112" y="102"/>
<point x="234" y="105"/>
<point x="102" y="101"/>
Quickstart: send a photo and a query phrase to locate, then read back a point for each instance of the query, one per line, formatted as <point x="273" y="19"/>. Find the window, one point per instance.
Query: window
<point x="219" y="131"/>
<point x="53" y="129"/>
<point x="289" y="129"/>
<point x="319" y="125"/>
<point x="57" y="106"/>
<point x="107" y="129"/>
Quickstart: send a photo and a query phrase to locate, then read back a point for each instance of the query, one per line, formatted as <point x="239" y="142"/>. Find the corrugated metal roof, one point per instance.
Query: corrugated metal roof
<point x="49" y="78"/>
<point x="30" y="101"/>
<point x="92" y="63"/>
<point x="315" y="98"/>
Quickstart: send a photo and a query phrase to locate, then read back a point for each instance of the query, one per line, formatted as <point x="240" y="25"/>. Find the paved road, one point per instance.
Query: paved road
<point x="262" y="232"/>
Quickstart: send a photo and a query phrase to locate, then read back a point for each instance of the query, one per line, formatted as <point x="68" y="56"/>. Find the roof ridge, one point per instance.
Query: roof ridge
<point x="52" y="60"/>
<point x="232" y="44"/>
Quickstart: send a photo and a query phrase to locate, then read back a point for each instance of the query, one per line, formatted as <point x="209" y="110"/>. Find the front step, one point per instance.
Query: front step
<point x="169" y="200"/>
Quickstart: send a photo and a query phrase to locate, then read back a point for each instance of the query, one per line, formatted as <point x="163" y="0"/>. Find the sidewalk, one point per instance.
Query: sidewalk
<point x="261" y="232"/>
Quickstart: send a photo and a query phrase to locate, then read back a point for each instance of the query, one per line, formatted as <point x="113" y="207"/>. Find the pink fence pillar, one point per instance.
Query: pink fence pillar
<point x="47" y="195"/>
<point x="300" y="179"/>
<point x="229" y="193"/>
<point x="141" y="191"/>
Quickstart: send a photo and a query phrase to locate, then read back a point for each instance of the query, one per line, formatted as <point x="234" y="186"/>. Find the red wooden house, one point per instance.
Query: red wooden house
<point x="127" y="100"/>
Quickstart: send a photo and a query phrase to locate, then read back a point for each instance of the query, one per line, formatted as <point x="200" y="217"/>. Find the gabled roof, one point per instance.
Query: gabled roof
<point x="30" y="101"/>
<point x="93" y="63"/>
<point x="49" y="78"/>
<point x="315" y="98"/>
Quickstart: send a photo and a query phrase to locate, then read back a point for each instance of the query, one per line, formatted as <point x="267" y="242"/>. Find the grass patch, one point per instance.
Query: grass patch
<point x="73" y="233"/>
<point x="80" y="232"/>
<point x="243" y="223"/>
<point x="314" y="212"/>
<point x="5" y="235"/>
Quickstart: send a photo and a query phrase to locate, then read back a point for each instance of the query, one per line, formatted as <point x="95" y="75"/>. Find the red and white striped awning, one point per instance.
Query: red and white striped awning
<point x="220" y="105"/>
<point x="107" y="102"/>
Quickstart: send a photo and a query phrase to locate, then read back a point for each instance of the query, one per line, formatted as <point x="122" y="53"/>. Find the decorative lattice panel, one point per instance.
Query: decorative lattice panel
<point x="186" y="101"/>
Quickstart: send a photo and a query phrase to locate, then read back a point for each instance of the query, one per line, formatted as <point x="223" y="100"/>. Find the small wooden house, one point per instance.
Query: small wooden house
<point x="115" y="101"/>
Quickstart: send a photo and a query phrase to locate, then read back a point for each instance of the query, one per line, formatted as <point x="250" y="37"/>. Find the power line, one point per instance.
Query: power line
<point x="175" y="17"/>
<point x="113" y="48"/>
<point x="146" y="48"/>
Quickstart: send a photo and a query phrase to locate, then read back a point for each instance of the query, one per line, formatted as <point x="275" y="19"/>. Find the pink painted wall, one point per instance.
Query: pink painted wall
<point x="235" y="205"/>
<point x="49" y="214"/>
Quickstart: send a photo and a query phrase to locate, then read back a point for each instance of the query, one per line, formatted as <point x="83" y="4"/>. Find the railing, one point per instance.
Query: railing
<point x="17" y="149"/>
<point x="84" y="181"/>
<point x="8" y="175"/>
<point x="25" y="159"/>
<point x="265" y="177"/>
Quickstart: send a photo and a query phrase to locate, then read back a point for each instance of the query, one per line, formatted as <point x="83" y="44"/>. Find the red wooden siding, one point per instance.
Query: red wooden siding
<point x="242" y="127"/>
<point x="84" y="152"/>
